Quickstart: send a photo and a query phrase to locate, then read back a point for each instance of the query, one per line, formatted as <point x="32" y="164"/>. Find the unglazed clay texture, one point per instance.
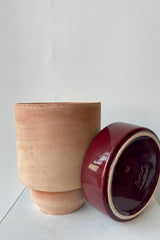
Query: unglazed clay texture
<point x="52" y="139"/>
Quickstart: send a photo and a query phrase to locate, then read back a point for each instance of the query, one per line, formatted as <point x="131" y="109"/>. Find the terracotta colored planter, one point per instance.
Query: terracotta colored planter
<point x="121" y="170"/>
<point x="52" y="139"/>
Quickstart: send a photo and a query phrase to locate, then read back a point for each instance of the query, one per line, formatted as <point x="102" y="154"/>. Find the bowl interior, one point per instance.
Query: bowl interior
<point x="135" y="176"/>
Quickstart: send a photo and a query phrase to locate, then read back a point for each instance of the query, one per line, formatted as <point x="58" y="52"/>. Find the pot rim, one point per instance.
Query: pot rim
<point x="57" y="104"/>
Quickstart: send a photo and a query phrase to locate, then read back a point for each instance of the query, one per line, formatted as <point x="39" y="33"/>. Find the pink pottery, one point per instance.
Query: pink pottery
<point x="51" y="140"/>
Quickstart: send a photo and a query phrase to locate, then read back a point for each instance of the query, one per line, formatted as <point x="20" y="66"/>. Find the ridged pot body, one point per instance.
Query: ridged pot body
<point x="51" y="140"/>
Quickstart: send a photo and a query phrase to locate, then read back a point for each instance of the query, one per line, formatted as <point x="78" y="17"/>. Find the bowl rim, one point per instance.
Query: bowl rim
<point x="134" y="136"/>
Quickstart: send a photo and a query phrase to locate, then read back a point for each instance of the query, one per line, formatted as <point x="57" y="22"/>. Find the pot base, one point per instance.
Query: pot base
<point x="58" y="203"/>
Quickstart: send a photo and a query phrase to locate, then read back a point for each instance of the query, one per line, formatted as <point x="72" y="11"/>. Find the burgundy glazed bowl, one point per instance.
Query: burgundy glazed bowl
<point x="121" y="170"/>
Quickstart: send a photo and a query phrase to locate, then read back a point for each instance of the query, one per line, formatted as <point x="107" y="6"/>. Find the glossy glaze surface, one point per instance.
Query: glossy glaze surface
<point x="134" y="174"/>
<point x="98" y="160"/>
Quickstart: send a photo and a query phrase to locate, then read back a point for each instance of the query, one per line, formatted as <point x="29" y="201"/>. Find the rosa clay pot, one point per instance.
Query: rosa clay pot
<point x="121" y="170"/>
<point x="51" y="140"/>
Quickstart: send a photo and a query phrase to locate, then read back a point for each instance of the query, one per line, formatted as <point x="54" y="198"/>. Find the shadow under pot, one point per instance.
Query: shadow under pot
<point x="121" y="170"/>
<point x="51" y="141"/>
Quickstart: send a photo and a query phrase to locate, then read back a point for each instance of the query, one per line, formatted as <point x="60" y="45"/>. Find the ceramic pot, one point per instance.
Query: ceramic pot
<point x="121" y="170"/>
<point x="51" y="140"/>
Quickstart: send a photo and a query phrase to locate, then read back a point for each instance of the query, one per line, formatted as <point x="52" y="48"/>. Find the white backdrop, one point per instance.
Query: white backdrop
<point x="69" y="50"/>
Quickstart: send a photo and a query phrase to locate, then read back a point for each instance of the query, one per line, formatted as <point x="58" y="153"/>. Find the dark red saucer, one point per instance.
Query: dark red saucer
<point x="121" y="170"/>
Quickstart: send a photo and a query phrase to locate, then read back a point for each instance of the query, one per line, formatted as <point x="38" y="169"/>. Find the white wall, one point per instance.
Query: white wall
<point x="68" y="50"/>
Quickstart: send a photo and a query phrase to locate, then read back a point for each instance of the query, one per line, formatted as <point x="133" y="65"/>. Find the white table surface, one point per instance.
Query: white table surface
<point x="26" y="222"/>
